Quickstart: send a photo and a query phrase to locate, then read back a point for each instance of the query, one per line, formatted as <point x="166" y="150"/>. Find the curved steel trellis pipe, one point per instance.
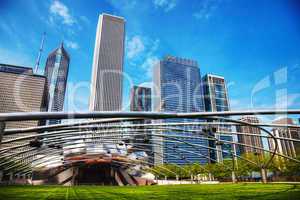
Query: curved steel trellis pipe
<point x="148" y="115"/>
<point x="93" y="124"/>
<point x="265" y="165"/>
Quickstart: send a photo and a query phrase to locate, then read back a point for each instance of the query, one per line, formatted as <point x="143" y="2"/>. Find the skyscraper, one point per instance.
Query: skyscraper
<point x="56" y="71"/>
<point x="285" y="147"/>
<point x="252" y="140"/>
<point x="106" y="88"/>
<point x="140" y="99"/>
<point x="178" y="88"/>
<point x="21" y="91"/>
<point x="215" y="93"/>
<point x="216" y="99"/>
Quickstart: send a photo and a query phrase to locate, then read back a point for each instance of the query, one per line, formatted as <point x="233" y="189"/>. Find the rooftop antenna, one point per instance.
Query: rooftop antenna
<point x="37" y="64"/>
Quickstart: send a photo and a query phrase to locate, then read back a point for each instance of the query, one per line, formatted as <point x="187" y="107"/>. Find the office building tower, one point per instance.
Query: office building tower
<point x="140" y="99"/>
<point x="216" y="99"/>
<point x="215" y="93"/>
<point x="56" y="71"/>
<point x="285" y="147"/>
<point x="106" y="88"/>
<point x="251" y="139"/>
<point x="21" y="91"/>
<point x="177" y="88"/>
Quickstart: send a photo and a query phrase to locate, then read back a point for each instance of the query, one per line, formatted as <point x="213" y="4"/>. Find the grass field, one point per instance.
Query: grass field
<point x="207" y="192"/>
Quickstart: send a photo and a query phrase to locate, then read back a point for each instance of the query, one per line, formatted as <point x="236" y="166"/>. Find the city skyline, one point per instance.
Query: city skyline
<point x="141" y="92"/>
<point x="143" y="47"/>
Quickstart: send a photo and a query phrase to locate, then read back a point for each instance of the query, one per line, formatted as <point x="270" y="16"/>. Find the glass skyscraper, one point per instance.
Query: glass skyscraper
<point x="56" y="71"/>
<point x="178" y="88"/>
<point x="216" y="100"/>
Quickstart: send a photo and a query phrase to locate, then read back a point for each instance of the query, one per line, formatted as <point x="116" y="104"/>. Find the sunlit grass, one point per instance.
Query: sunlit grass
<point x="207" y="192"/>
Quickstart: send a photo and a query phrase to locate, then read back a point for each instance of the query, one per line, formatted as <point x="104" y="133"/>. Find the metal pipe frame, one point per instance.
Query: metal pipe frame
<point x="184" y="137"/>
<point x="114" y="123"/>
<point x="97" y="124"/>
<point x="146" y="115"/>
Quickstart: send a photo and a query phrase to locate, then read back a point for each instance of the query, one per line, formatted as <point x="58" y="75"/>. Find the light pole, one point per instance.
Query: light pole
<point x="233" y="176"/>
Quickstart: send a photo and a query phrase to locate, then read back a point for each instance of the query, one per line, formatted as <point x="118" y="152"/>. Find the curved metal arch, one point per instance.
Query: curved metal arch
<point x="72" y="131"/>
<point x="149" y="115"/>
<point x="67" y="125"/>
<point x="87" y="124"/>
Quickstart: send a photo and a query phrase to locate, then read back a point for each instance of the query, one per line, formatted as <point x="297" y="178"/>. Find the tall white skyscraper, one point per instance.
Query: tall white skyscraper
<point x="106" y="88"/>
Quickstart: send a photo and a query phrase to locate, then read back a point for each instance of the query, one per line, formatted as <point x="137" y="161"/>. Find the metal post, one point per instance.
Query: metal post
<point x="209" y="176"/>
<point x="233" y="168"/>
<point x="11" y="177"/>
<point x="264" y="175"/>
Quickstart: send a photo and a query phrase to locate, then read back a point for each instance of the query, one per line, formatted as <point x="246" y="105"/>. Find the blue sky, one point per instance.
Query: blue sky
<point x="253" y="44"/>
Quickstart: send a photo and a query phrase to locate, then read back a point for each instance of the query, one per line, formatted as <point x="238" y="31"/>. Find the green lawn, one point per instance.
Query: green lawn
<point x="222" y="192"/>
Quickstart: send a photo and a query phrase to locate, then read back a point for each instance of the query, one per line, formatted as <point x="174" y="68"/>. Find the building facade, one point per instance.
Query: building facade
<point x="107" y="72"/>
<point x="140" y="99"/>
<point x="216" y="99"/>
<point x="21" y="91"/>
<point x="251" y="140"/>
<point x="56" y="71"/>
<point x="178" y="88"/>
<point x="285" y="147"/>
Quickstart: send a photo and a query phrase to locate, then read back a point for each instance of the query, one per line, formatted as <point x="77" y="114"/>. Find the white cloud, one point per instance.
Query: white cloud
<point x="61" y="11"/>
<point x="167" y="5"/>
<point x="151" y="58"/>
<point x="123" y="5"/>
<point x="149" y="63"/>
<point x="71" y="44"/>
<point x="207" y="9"/>
<point x="134" y="47"/>
<point x="143" y="53"/>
